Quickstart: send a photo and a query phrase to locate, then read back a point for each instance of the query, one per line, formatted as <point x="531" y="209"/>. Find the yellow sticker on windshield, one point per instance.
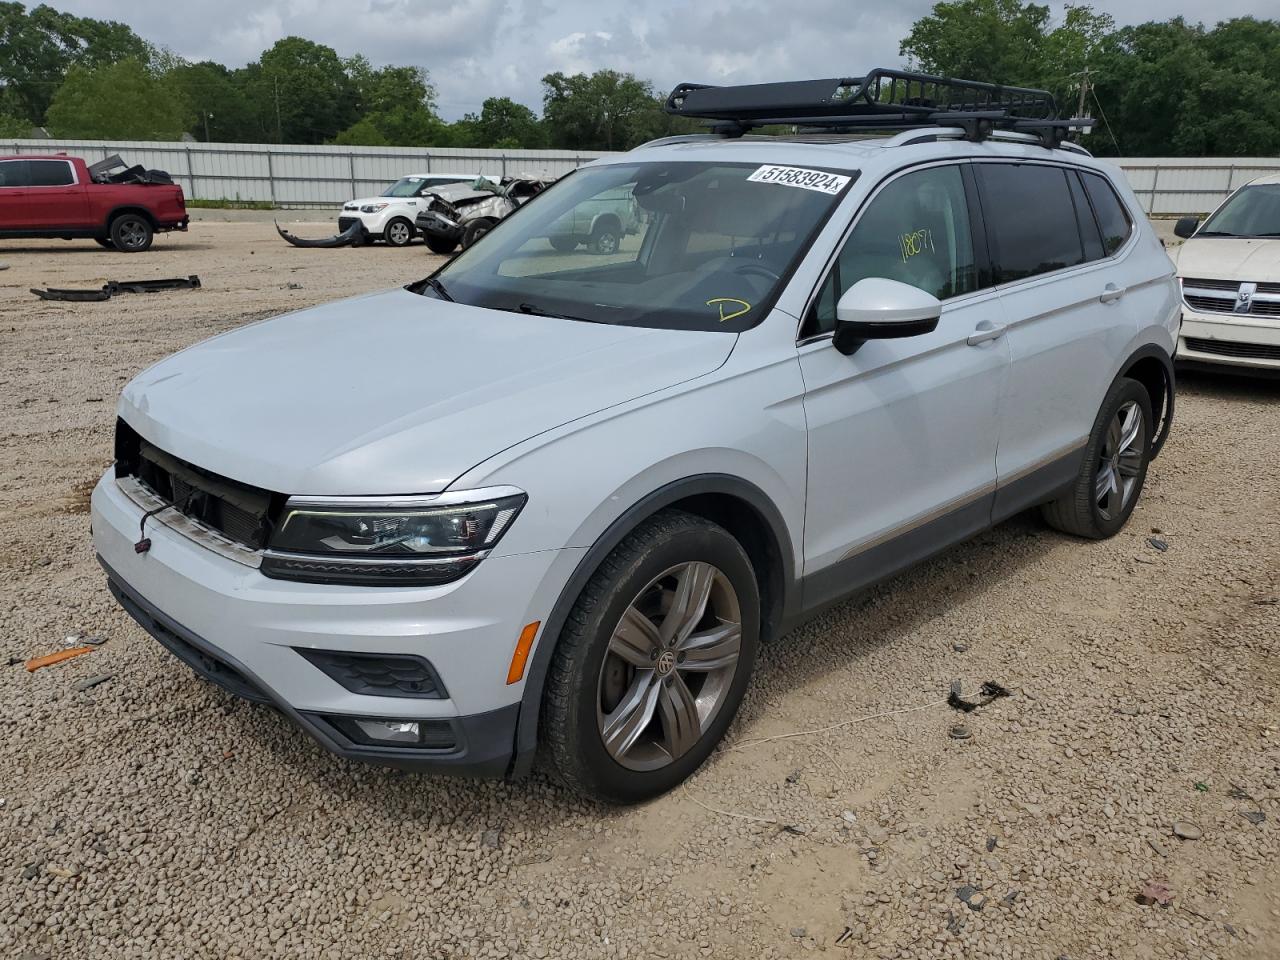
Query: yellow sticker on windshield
<point x="915" y="242"/>
<point x="730" y="313"/>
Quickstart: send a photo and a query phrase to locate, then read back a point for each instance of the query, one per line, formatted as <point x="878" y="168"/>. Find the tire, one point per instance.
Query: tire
<point x="131" y="233"/>
<point x="606" y="238"/>
<point x="104" y="242"/>
<point x="441" y="245"/>
<point x="398" y="232"/>
<point x="474" y="230"/>
<point x="1115" y="463"/>
<point x="589" y="685"/>
<point x="563" y="244"/>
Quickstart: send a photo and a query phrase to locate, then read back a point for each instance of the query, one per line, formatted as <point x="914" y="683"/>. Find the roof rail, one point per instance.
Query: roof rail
<point x="883" y="99"/>
<point x="928" y="134"/>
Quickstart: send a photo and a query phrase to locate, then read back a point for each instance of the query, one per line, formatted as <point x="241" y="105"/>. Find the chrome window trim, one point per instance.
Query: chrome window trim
<point x="448" y="498"/>
<point x="396" y="560"/>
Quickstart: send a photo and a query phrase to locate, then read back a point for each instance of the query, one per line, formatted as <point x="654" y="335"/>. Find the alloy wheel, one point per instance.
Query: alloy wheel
<point x="398" y="233"/>
<point x="1120" y="461"/>
<point x="669" y="666"/>
<point x="132" y="233"/>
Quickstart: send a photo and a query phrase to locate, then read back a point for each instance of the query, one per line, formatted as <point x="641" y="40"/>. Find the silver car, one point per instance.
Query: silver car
<point x="547" y="500"/>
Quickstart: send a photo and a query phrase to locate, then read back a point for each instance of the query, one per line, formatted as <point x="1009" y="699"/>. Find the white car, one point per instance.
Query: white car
<point x="391" y="216"/>
<point x="1229" y="270"/>
<point x="574" y="494"/>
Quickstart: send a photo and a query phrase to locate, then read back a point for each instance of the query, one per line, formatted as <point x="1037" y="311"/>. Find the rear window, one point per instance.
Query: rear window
<point x="1030" y="218"/>
<point x="1112" y="217"/>
<point x="50" y="173"/>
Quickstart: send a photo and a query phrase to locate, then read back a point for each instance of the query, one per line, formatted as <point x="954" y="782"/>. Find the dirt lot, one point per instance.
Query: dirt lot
<point x="153" y="816"/>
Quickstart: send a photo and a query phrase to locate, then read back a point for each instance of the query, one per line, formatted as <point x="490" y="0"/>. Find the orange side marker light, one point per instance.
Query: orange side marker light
<point x="521" y="657"/>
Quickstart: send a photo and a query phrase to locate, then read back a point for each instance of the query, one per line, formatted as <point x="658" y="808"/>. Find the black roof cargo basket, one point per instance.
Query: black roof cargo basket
<point x="882" y="100"/>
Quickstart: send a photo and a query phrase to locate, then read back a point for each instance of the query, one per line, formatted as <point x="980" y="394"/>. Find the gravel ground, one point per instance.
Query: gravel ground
<point x="152" y="815"/>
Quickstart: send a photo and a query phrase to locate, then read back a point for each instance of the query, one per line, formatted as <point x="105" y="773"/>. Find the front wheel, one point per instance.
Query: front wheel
<point x="474" y="230"/>
<point x="398" y="232"/>
<point x="605" y="239"/>
<point x="131" y="233"/>
<point x="1114" y="469"/>
<point x="653" y="661"/>
<point x="441" y="245"/>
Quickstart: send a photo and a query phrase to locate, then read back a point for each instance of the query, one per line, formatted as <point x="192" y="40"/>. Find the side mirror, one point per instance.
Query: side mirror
<point x="880" y="309"/>
<point x="1185" y="227"/>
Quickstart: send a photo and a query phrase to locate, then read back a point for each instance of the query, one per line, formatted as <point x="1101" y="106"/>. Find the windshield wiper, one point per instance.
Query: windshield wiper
<point x="1217" y="233"/>
<point x="435" y="285"/>
<point x="536" y="311"/>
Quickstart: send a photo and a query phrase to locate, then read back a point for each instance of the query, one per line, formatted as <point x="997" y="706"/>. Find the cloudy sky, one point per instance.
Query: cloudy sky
<point x="479" y="48"/>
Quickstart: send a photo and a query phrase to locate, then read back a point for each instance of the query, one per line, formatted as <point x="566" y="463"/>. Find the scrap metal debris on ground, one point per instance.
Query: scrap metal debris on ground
<point x="113" y="287"/>
<point x="988" y="692"/>
<point x="352" y="235"/>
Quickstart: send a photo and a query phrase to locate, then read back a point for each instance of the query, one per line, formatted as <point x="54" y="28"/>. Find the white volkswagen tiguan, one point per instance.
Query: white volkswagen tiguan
<point x="551" y="501"/>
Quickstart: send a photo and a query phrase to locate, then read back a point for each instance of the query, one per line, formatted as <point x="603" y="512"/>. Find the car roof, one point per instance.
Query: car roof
<point x="39" y="156"/>
<point x="857" y="153"/>
<point x="1267" y="179"/>
<point x="436" y="175"/>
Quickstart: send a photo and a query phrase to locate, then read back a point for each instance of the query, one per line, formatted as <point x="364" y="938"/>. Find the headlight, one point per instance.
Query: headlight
<point x="389" y="541"/>
<point x="373" y="207"/>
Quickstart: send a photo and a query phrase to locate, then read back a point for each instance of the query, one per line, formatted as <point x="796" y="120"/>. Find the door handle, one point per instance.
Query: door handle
<point x="984" y="331"/>
<point x="1111" y="293"/>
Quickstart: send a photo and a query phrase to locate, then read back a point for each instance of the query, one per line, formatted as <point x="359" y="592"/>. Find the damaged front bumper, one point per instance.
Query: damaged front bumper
<point x="352" y="233"/>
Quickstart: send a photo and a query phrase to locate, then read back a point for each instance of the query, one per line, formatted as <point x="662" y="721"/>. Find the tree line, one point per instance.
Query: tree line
<point x="1167" y="88"/>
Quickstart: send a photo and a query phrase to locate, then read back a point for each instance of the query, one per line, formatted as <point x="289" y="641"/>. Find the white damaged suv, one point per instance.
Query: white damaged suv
<point x="553" y="501"/>
<point x="390" y="216"/>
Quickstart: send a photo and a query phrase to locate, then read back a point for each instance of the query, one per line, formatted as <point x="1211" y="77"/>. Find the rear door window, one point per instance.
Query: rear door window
<point x="1090" y="233"/>
<point x="50" y="173"/>
<point x="13" y="173"/>
<point x="1112" y="216"/>
<point x="1030" y="219"/>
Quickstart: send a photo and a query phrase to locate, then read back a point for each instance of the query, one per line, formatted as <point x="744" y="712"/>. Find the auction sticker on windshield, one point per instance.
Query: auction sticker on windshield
<point x="818" y="180"/>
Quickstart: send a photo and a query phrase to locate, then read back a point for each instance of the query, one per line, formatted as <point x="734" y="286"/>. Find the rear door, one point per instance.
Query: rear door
<point x="13" y="194"/>
<point x="1066" y="321"/>
<point x="902" y="434"/>
<point x="55" y="197"/>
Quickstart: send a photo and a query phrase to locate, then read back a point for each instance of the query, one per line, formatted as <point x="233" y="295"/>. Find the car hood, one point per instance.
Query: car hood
<point x="395" y="393"/>
<point x="1222" y="258"/>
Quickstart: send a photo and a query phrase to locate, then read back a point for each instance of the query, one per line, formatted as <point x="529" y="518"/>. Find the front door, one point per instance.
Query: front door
<point x="902" y="435"/>
<point x="13" y="194"/>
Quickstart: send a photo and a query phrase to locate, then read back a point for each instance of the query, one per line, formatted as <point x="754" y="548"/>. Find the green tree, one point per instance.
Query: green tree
<point x="397" y="107"/>
<point x="117" y="101"/>
<point x="1001" y="41"/>
<point x="304" y="89"/>
<point x="502" y="123"/>
<point x="12" y="127"/>
<point x="607" y="110"/>
<point x="214" y="103"/>
<point x="37" y="47"/>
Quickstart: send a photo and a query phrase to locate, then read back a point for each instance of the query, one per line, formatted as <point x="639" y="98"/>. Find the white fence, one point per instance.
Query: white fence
<point x="303" y="176"/>
<point x="1183" y="185"/>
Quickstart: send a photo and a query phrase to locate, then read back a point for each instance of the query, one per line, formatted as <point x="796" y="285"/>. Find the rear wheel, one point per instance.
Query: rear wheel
<point x="653" y="661"/>
<point x="1114" y="469"/>
<point x="441" y="245"/>
<point x="104" y="242"/>
<point x="131" y="233"/>
<point x="398" y="232"/>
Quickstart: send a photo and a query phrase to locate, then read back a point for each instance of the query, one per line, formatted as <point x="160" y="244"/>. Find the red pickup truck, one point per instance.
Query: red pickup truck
<point x="61" y="196"/>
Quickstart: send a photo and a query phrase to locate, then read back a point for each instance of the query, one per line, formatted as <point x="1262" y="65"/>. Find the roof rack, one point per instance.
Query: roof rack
<point x="882" y="100"/>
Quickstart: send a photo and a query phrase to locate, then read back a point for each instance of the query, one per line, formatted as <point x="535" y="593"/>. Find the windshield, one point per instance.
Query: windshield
<point x="405" y="187"/>
<point x="690" y="246"/>
<point x="1250" y="212"/>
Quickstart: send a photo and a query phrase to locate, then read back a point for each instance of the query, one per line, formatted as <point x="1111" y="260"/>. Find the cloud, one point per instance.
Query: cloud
<point x="479" y="48"/>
